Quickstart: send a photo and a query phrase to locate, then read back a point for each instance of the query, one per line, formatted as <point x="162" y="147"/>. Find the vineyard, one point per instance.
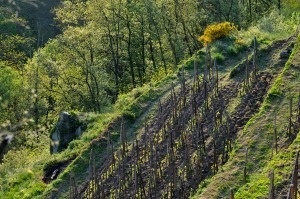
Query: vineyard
<point x="191" y="135"/>
<point x="122" y="99"/>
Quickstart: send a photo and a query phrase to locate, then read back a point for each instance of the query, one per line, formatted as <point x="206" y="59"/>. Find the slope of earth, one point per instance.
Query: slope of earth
<point x="254" y="151"/>
<point x="180" y="147"/>
<point x="131" y="115"/>
<point x="174" y="135"/>
<point x="142" y="109"/>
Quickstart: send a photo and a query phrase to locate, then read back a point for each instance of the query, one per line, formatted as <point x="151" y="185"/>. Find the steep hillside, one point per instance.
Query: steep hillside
<point x="165" y="99"/>
<point x="193" y="130"/>
<point x="255" y="153"/>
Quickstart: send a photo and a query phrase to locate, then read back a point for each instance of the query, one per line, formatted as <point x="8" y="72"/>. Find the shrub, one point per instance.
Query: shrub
<point x="240" y="42"/>
<point x="219" y="58"/>
<point x="216" y="31"/>
<point x="232" y="50"/>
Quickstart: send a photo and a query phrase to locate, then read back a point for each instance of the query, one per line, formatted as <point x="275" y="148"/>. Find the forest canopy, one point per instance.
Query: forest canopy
<point x="110" y="47"/>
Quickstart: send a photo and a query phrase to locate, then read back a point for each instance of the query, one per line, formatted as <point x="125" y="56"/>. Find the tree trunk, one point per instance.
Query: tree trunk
<point x="129" y="51"/>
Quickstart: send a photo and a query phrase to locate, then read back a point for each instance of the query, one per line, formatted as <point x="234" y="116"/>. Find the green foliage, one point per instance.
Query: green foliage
<point x="277" y="89"/>
<point x="219" y="58"/>
<point x="21" y="169"/>
<point x="15" y="50"/>
<point x="275" y="92"/>
<point x="272" y="26"/>
<point x="201" y="187"/>
<point x="10" y="24"/>
<point x="274" y="22"/>
<point x="229" y="48"/>
<point x="136" y="107"/>
<point x="188" y="64"/>
<point x="128" y="98"/>
<point x="67" y="78"/>
<point x="107" y="48"/>
<point x="290" y="7"/>
<point x="16" y="45"/>
<point x="19" y="187"/>
<point x="232" y="50"/>
<point x="13" y="99"/>
<point x="73" y="13"/>
<point x="28" y="18"/>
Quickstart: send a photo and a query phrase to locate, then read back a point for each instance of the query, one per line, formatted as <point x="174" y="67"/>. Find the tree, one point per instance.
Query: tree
<point x="70" y="74"/>
<point x="13" y="95"/>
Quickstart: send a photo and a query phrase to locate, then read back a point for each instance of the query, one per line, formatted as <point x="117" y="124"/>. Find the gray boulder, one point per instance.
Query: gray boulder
<point x="285" y="54"/>
<point x="67" y="129"/>
<point x="5" y="139"/>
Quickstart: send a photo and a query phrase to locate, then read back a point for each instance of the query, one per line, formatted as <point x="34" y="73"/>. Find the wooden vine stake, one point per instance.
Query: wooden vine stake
<point x="290" y="116"/>
<point x="92" y="171"/>
<point x="231" y="194"/>
<point x="209" y="63"/>
<point x="296" y="176"/>
<point x="254" y="58"/>
<point x="110" y="150"/>
<point x="187" y="155"/>
<point x="298" y="108"/>
<point x="73" y="187"/>
<point x="271" y="186"/>
<point x="292" y="191"/>
<point x="183" y="86"/>
<point x="247" y="75"/>
<point x="206" y="68"/>
<point x="123" y="138"/>
<point x="275" y="133"/>
<point x="215" y="165"/>
<point x="195" y="70"/>
<point x="217" y="73"/>
<point x="245" y="166"/>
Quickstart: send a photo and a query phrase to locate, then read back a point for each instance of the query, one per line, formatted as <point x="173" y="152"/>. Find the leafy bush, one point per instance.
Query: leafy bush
<point x="273" y="26"/>
<point x="219" y="58"/>
<point x="274" y="22"/>
<point x="216" y="31"/>
<point x="24" y="185"/>
<point x="232" y="50"/>
<point x="240" y="42"/>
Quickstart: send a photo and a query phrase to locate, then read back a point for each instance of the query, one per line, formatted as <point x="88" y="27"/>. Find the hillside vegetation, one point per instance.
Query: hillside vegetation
<point x="178" y="99"/>
<point x="256" y="140"/>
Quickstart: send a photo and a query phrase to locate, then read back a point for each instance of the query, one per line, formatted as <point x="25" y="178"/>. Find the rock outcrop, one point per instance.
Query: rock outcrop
<point x="5" y="139"/>
<point x="67" y="129"/>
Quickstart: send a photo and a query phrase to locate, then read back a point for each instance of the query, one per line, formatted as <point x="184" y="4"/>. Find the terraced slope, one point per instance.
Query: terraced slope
<point x="194" y="136"/>
<point x="256" y="139"/>
<point x="189" y="139"/>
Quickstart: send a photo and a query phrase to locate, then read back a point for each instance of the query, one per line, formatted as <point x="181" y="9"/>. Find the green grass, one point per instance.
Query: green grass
<point x="222" y="50"/>
<point x="130" y="105"/>
<point x="16" y="188"/>
<point x="257" y="135"/>
<point x="282" y="162"/>
<point x="232" y="50"/>
<point x="220" y="58"/>
<point x="21" y="171"/>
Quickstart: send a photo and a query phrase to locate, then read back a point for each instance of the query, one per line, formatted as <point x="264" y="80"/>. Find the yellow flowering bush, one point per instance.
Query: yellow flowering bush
<point x="216" y="31"/>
